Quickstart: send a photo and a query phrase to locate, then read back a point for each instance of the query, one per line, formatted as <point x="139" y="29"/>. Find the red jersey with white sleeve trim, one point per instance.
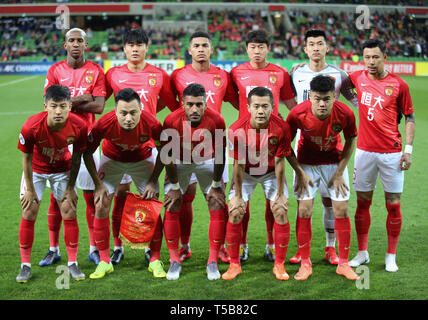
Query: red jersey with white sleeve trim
<point x="320" y="141"/>
<point x="217" y="83"/>
<point x="272" y="77"/>
<point x="50" y="148"/>
<point x="379" y="104"/>
<point x="150" y="83"/>
<point x="88" y="79"/>
<point x="123" y="145"/>
<point x="259" y="148"/>
<point x="200" y="141"/>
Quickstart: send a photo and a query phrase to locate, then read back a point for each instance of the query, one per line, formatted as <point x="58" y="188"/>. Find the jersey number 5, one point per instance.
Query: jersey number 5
<point x="370" y="114"/>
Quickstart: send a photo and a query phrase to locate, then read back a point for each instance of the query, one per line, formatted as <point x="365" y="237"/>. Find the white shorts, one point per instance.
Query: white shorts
<point x="321" y="176"/>
<point x="368" y="166"/>
<point x="267" y="181"/>
<point x="203" y="172"/>
<point x="111" y="172"/>
<point x="57" y="181"/>
<point x="127" y="178"/>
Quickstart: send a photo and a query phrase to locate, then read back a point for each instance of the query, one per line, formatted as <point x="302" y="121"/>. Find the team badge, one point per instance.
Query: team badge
<point x="144" y="138"/>
<point x="273" y="140"/>
<point x="273" y="78"/>
<point x="140" y="216"/>
<point x="152" y="81"/>
<point x="217" y="82"/>
<point x="70" y="140"/>
<point x="336" y="127"/>
<point x="389" y="91"/>
<point x="89" y="78"/>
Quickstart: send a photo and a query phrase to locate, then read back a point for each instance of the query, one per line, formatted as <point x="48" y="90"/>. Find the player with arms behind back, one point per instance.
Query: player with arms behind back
<point x="383" y="98"/>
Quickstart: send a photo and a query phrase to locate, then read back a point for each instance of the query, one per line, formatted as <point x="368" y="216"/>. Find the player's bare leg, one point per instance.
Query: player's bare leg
<point x="328" y="219"/>
<point x="362" y="226"/>
<point x="393" y="228"/>
<point x="304" y="235"/>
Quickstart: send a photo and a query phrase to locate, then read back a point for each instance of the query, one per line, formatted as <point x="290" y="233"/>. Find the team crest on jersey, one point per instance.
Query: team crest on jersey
<point x="389" y="91"/>
<point x="152" y="80"/>
<point x="144" y="138"/>
<point x="273" y="140"/>
<point x="89" y="78"/>
<point x="336" y="127"/>
<point x="273" y="78"/>
<point x="70" y="140"/>
<point x="217" y="82"/>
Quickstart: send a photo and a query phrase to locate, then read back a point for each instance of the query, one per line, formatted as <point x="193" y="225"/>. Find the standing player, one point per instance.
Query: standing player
<point x="151" y="83"/>
<point x="44" y="141"/>
<point x="86" y="82"/>
<point x="316" y="48"/>
<point x="193" y="142"/>
<point x="322" y="161"/>
<point x="383" y="98"/>
<point x="259" y="144"/>
<point x="219" y="87"/>
<point x="258" y="72"/>
<point x="128" y="134"/>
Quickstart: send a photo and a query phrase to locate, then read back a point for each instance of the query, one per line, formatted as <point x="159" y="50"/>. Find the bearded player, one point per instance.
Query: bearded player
<point x="258" y="72"/>
<point x="86" y="82"/>
<point x="383" y="99"/>
<point x="219" y="87"/>
<point x="44" y="141"/>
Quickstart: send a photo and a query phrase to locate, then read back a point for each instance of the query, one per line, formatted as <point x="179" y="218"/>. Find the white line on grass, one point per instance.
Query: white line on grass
<point x="16" y="81"/>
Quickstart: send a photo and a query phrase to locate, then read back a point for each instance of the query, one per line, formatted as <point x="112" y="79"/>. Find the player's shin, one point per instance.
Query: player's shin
<point x="102" y="237"/>
<point x="269" y="223"/>
<point x="116" y="217"/>
<point x="342" y="228"/>
<point x="393" y="226"/>
<point x="216" y="233"/>
<point x="26" y="238"/>
<point x="245" y="222"/>
<point x="362" y="223"/>
<point x="186" y="218"/>
<point x="90" y="216"/>
<point x="304" y="235"/>
<point x="156" y="243"/>
<point x="233" y="238"/>
<point x="71" y="238"/>
<point x="281" y="238"/>
<point x="54" y="223"/>
<point x="172" y="233"/>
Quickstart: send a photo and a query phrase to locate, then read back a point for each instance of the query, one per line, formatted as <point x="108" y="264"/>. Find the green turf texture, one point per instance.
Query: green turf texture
<point x="21" y="96"/>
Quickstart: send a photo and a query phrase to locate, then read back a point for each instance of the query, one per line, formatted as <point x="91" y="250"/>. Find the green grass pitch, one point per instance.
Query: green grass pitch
<point x="21" y="96"/>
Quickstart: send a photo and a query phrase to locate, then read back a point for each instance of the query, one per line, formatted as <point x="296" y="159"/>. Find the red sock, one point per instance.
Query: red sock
<point x="226" y="218"/>
<point x="297" y="228"/>
<point x="116" y="218"/>
<point x="269" y="223"/>
<point x="102" y="237"/>
<point x="90" y="215"/>
<point x="186" y="218"/>
<point x="245" y="221"/>
<point x="393" y="226"/>
<point x="54" y="222"/>
<point x="304" y="235"/>
<point x="26" y="238"/>
<point x="156" y="243"/>
<point x="216" y="233"/>
<point x="71" y="238"/>
<point x="233" y="237"/>
<point x="281" y="238"/>
<point x="171" y="226"/>
<point x="342" y="228"/>
<point x="362" y="223"/>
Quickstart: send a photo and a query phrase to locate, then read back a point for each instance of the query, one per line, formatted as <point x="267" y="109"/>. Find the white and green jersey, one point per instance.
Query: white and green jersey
<point x="302" y="76"/>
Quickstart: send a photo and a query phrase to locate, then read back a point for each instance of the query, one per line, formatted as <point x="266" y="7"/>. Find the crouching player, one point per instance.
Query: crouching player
<point x="130" y="135"/>
<point x="260" y="142"/>
<point x="44" y="141"/>
<point x="322" y="162"/>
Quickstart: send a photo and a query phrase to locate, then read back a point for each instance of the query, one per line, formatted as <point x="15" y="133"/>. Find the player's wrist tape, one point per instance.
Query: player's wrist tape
<point x="175" y="186"/>
<point x="216" y="184"/>
<point x="408" y="149"/>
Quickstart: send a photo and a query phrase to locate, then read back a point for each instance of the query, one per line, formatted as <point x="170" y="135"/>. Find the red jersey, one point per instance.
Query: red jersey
<point x="150" y="83"/>
<point x="88" y="79"/>
<point x="379" y="104"/>
<point x="50" y="148"/>
<point x="246" y="144"/>
<point x="272" y="77"/>
<point x="320" y="141"/>
<point x="217" y="83"/>
<point x="123" y="145"/>
<point x="200" y="141"/>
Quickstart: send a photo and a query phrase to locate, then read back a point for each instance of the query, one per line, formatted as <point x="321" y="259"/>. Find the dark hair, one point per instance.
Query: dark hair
<point x="260" y="92"/>
<point x="258" y="36"/>
<point x="57" y="93"/>
<point x="315" y="33"/>
<point x="137" y="35"/>
<point x="322" y="84"/>
<point x="127" y="95"/>
<point x="200" y="34"/>
<point x="194" y="90"/>
<point x="375" y="43"/>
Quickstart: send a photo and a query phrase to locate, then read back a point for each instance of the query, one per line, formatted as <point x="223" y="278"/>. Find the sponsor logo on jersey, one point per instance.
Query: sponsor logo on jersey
<point x="389" y="91"/>
<point x="70" y="140"/>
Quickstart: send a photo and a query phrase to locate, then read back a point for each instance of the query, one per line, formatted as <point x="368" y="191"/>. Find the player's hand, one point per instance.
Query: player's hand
<point x="71" y="197"/>
<point x="150" y="191"/>
<point x="237" y="208"/>
<point x="302" y="184"/>
<point x="172" y="198"/>
<point x="100" y="194"/>
<point x="217" y="195"/>
<point x="280" y="202"/>
<point x="28" y="199"/>
<point x="339" y="185"/>
<point x="406" y="161"/>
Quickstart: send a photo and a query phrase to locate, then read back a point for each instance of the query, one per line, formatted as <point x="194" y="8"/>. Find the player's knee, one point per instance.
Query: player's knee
<point x="236" y="215"/>
<point x="392" y="198"/>
<point x="67" y="212"/>
<point x="191" y="190"/>
<point x="31" y="213"/>
<point x="280" y="215"/>
<point x="213" y="205"/>
<point x="304" y="212"/>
